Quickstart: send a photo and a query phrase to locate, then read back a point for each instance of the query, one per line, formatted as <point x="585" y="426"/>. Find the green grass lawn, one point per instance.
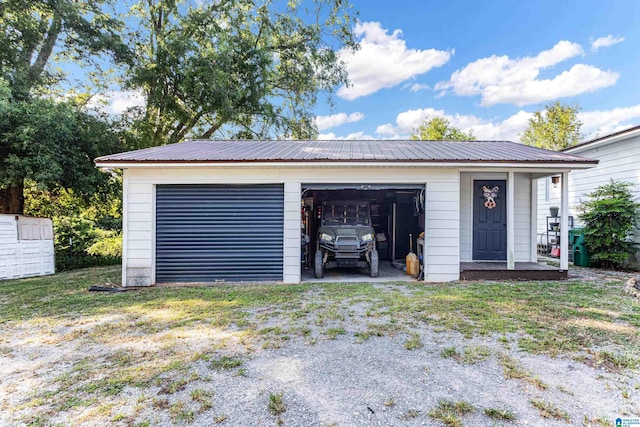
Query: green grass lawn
<point x="147" y="337"/>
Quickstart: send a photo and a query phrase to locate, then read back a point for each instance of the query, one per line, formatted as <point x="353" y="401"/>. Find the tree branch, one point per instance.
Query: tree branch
<point x="47" y="48"/>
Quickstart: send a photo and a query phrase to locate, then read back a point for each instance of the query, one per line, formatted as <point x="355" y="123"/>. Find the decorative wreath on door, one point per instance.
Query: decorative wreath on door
<point x="490" y="195"/>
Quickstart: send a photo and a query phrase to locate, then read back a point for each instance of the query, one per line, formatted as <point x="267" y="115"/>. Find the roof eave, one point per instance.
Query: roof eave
<point x="563" y="165"/>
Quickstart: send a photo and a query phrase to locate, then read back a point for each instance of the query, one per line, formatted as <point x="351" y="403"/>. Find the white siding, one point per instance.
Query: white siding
<point x="291" y="267"/>
<point x="618" y="161"/>
<point x="26" y="247"/>
<point x="522" y="226"/>
<point x="522" y="230"/>
<point x="441" y="216"/>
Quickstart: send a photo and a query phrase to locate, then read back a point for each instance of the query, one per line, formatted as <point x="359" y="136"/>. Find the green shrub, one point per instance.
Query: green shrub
<point x="610" y="216"/>
<point x="73" y="262"/>
<point x="109" y="245"/>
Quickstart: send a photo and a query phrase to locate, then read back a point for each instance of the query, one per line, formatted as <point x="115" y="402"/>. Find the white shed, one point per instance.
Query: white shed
<point x="26" y="246"/>
<point x="203" y="211"/>
<point x="619" y="159"/>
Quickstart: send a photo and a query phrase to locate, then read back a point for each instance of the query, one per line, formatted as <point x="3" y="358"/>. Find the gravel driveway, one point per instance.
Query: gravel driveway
<point x="414" y="375"/>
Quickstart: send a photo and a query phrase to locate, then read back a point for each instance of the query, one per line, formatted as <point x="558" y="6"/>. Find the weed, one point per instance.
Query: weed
<point x="500" y="414"/>
<point x="225" y="363"/>
<point x="332" y="333"/>
<point x="449" y="352"/>
<point x="119" y="417"/>
<point x="449" y="412"/>
<point x="600" y="421"/>
<point x="171" y="387"/>
<point x="414" y="342"/>
<point x="565" y="390"/>
<point x="475" y="354"/>
<point x="549" y="410"/>
<point x="276" y="404"/>
<point x="613" y="362"/>
<point x="411" y="413"/>
<point x="389" y="402"/>
<point x="203" y="397"/>
<point x="162" y="403"/>
<point x="178" y="413"/>
<point x="220" y="419"/>
<point x="513" y="370"/>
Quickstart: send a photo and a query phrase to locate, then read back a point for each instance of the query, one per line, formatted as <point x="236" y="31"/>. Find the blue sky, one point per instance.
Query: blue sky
<point x="487" y="65"/>
<point x="484" y="65"/>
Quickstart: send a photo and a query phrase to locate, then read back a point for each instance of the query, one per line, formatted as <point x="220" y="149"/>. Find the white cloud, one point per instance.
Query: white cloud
<point x="327" y="122"/>
<point x="594" y="123"/>
<point x="508" y="129"/>
<point x="501" y="80"/>
<point x="384" y="61"/>
<point x="605" y="42"/>
<point x="417" y="87"/>
<point x="351" y="136"/>
<point x="603" y="122"/>
<point x="117" y="102"/>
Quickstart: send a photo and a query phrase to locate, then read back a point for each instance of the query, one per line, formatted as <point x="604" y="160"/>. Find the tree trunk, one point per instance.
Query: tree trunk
<point x="12" y="199"/>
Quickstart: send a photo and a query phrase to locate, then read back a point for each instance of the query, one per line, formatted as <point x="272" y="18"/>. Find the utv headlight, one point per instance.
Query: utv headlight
<point x="325" y="237"/>
<point x="368" y="237"/>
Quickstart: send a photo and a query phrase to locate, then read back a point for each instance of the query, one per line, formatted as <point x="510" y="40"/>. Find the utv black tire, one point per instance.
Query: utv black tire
<point x="319" y="264"/>
<point x="374" y="263"/>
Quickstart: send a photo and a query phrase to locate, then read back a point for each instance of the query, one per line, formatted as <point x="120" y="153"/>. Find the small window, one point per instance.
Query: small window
<point x="547" y="182"/>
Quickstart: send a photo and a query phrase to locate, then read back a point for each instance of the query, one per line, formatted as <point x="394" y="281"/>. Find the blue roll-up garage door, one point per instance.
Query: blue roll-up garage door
<point x="206" y="233"/>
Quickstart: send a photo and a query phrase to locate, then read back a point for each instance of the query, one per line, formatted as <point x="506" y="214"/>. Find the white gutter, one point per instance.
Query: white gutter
<point x="386" y="164"/>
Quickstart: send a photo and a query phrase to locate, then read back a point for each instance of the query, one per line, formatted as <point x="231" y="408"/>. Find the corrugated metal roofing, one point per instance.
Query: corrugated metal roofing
<point x="205" y="151"/>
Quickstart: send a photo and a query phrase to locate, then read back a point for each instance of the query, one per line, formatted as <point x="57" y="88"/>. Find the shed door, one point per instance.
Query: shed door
<point x="489" y="220"/>
<point x="213" y="232"/>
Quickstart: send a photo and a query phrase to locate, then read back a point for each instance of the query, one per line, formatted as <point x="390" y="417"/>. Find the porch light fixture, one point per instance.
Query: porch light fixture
<point x="555" y="180"/>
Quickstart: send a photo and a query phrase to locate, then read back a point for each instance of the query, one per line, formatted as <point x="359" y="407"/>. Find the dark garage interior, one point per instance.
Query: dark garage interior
<point x="397" y="212"/>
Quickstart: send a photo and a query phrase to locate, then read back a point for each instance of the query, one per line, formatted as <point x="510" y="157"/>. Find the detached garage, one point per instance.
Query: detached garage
<point x="207" y="211"/>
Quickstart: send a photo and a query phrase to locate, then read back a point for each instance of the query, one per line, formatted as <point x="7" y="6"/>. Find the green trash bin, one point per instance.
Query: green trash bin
<point x="580" y="251"/>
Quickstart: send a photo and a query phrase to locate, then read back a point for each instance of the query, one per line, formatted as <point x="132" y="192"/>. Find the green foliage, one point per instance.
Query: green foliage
<point x="610" y="215"/>
<point x="555" y="128"/>
<point x="51" y="144"/>
<point x="67" y="262"/>
<point x="109" y="244"/>
<point x="87" y="231"/>
<point x="234" y="68"/>
<point x="439" y="129"/>
<point x="34" y="33"/>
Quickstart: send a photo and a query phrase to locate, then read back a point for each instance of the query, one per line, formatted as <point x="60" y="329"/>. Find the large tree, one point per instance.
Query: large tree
<point x="439" y="129"/>
<point x="235" y="68"/>
<point x="50" y="142"/>
<point x="554" y="128"/>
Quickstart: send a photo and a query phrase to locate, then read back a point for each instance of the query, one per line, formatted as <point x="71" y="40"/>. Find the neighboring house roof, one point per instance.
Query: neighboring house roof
<point x="604" y="140"/>
<point x="212" y="151"/>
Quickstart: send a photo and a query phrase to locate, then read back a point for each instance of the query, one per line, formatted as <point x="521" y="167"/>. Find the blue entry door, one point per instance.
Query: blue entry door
<point x="489" y="220"/>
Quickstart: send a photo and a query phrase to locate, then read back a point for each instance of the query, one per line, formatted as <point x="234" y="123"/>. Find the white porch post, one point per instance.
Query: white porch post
<point x="564" y="222"/>
<point x="534" y="221"/>
<point x="511" y="244"/>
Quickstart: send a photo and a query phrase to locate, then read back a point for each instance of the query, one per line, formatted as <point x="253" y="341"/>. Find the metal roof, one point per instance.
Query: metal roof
<point x="214" y="151"/>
